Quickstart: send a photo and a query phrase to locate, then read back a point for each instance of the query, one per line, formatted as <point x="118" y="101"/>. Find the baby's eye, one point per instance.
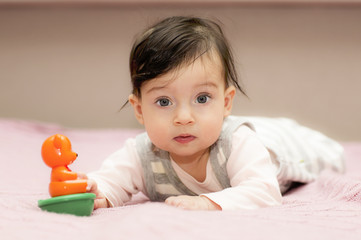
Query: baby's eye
<point x="203" y="98"/>
<point x="163" y="102"/>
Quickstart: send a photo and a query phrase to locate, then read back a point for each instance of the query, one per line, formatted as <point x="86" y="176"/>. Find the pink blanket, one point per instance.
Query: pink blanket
<point x="329" y="208"/>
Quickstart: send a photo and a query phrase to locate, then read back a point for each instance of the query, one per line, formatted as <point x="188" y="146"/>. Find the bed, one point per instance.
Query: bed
<point x="329" y="208"/>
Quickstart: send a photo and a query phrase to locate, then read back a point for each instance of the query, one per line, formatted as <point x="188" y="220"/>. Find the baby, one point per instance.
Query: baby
<point x="194" y="155"/>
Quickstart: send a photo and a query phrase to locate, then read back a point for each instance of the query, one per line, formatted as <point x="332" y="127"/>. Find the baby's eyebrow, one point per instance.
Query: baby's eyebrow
<point x="208" y="84"/>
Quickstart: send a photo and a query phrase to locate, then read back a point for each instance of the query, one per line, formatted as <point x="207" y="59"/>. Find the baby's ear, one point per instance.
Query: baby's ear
<point x="137" y="106"/>
<point x="229" y="94"/>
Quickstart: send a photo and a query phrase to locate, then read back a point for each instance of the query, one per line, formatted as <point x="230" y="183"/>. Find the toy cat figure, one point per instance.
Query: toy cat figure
<point x="57" y="153"/>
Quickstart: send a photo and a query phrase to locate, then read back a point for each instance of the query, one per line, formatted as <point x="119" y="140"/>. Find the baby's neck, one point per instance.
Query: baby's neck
<point x="195" y="165"/>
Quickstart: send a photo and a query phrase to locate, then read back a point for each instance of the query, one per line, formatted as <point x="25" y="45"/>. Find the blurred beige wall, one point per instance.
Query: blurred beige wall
<point x="69" y="64"/>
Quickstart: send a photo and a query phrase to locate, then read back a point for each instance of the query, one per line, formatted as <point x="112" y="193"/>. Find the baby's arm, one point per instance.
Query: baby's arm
<point x="252" y="175"/>
<point x="119" y="177"/>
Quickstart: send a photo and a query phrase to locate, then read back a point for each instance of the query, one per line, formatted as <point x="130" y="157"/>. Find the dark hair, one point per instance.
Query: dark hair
<point x="176" y="41"/>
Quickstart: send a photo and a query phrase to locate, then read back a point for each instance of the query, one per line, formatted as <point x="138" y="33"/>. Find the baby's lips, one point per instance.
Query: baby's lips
<point x="184" y="138"/>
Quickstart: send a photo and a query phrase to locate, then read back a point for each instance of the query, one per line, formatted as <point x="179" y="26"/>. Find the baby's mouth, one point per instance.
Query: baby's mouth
<point x="184" y="138"/>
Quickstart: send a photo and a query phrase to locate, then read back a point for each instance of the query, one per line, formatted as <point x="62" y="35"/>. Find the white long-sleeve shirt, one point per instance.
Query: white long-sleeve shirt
<point x="250" y="169"/>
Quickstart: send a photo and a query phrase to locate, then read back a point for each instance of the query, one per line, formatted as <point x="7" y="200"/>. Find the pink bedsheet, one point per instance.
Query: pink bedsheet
<point x="329" y="208"/>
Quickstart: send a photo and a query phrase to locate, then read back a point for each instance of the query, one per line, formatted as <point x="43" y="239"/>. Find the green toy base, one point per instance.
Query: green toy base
<point x="80" y="204"/>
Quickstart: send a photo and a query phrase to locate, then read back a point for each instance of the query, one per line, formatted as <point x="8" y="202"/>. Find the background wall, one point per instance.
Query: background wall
<point x="68" y="64"/>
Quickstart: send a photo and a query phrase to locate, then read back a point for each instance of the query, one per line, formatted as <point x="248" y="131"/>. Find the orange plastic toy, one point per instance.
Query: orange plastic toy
<point x="57" y="153"/>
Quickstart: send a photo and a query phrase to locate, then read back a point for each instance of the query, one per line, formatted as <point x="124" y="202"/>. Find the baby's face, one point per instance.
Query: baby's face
<point x="183" y="111"/>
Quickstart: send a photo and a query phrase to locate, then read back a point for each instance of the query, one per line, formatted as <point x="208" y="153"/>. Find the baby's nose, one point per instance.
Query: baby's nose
<point x="184" y="116"/>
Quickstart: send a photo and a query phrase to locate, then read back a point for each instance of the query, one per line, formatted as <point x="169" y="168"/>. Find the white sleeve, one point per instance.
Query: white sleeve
<point x="120" y="175"/>
<point x="252" y="175"/>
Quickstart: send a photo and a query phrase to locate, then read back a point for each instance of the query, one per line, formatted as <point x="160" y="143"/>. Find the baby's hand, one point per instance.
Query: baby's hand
<point x="100" y="200"/>
<point x="192" y="203"/>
